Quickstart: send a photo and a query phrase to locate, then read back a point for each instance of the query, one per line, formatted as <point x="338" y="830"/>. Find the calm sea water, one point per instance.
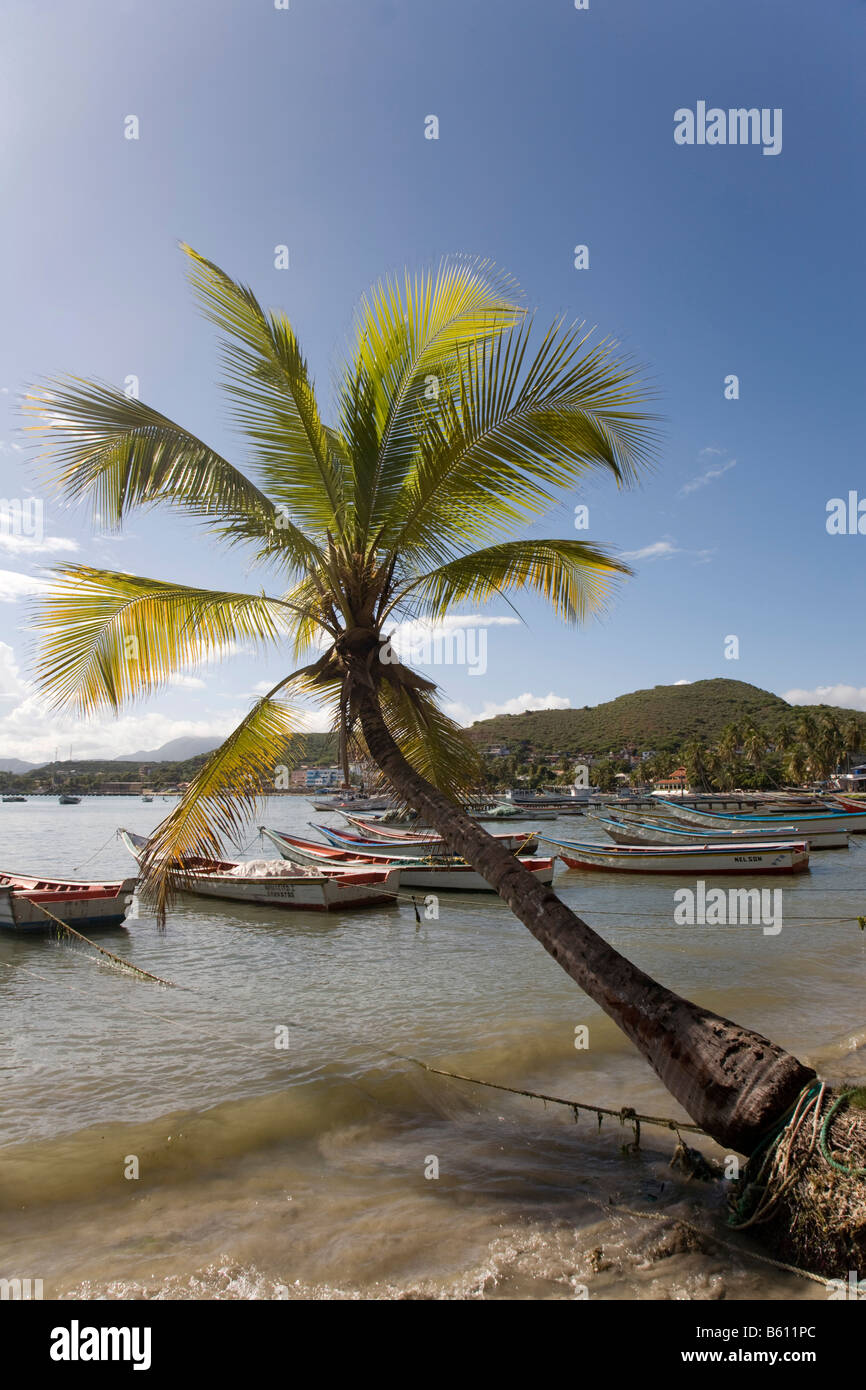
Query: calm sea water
<point x="303" y="1172"/>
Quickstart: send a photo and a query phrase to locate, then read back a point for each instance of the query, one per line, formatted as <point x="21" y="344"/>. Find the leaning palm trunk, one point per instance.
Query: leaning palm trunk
<point x="734" y="1083"/>
<point x="806" y="1198"/>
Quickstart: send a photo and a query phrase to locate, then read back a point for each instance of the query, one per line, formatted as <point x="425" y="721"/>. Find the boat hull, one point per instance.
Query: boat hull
<point x="433" y="877"/>
<point x="81" y="905"/>
<point x="851" y="823"/>
<point x="634" y="832"/>
<point x="417" y="847"/>
<point x="692" y="859"/>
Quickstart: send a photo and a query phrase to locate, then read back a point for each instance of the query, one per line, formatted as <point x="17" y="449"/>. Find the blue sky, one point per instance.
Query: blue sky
<point x="305" y="127"/>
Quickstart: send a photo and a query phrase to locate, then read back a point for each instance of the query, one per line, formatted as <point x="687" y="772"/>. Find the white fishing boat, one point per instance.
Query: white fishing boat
<point x="410" y="846"/>
<point x="389" y="833"/>
<point x="266" y="883"/>
<point x="453" y="875"/>
<point x="746" y="859"/>
<point x="354" y="801"/>
<point x="80" y="904"/>
<point x="631" y="830"/>
<point x="851" y="822"/>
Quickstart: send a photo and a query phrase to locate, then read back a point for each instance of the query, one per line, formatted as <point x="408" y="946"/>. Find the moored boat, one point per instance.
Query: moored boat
<point x="80" y="904"/>
<point x="853" y="823"/>
<point x="780" y="858"/>
<point x="15" y="798"/>
<point x="266" y="883"/>
<point x="452" y="874"/>
<point x="632" y="830"/>
<point x="67" y="800"/>
<point x="410" y="846"/>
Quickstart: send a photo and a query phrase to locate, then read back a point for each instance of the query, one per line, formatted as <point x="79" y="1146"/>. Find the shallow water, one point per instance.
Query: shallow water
<point x="301" y="1172"/>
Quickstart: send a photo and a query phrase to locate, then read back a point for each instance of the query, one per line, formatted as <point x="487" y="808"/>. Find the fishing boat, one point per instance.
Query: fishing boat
<point x="371" y="829"/>
<point x="746" y="859"/>
<point x="354" y="801"/>
<point x="632" y="830"/>
<point x="147" y="796"/>
<point x="855" y="802"/>
<point x="67" y="800"/>
<point x="416" y="846"/>
<point x="266" y="883"/>
<point x="79" y="904"/>
<point x="453" y="875"/>
<point x="854" y="823"/>
<point x="15" y="798"/>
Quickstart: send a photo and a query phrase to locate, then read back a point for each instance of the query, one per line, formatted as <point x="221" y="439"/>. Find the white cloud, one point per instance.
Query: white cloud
<point x="464" y="715"/>
<point x="15" y="586"/>
<point x="665" y="550"/>
<point x="187" y="682"/>
<point x="682" y="682"/>
<point x="657" y="551"/>
<point x="416" y="630"/>
<point x="32" y="545"/>
<point x="704" y="479"/>
<point x="31" y="731"/>
<point x="11" y="684"/>
<point x="847" y="696"/>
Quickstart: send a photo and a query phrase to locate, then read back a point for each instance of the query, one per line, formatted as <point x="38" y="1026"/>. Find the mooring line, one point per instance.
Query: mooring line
<point x="117" y="960"/>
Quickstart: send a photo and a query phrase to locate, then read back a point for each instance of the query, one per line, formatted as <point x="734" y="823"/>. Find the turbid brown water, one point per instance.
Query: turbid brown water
<point x="307" y="1171"/>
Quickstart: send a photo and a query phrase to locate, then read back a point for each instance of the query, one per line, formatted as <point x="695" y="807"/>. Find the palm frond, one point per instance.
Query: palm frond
<point x="574" y="577"/>
<point x="221" y="799"/>
<point x="498" y="450"/>
<point x="435" y="746"/>
<point x="274" y="400"/>
<point x="107" y="638"/>
<point x="119" y="453"/>
<point x="407" y="338"/>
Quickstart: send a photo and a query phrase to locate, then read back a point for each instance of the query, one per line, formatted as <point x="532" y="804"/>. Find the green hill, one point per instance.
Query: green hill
<point x="663" y="718"/>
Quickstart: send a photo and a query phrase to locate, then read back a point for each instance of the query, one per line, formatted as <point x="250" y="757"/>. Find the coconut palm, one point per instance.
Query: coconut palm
<point x="451" y="434"/>
<point x="697" y="764"/>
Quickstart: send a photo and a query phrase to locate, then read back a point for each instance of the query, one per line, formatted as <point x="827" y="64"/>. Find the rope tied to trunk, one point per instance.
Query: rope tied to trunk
<point x="778" y="1173"/>
<point x="822" y="1140"/>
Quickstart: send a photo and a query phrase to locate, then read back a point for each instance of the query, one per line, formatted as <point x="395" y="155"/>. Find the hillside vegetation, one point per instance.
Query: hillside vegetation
<point x="663" y="718"/>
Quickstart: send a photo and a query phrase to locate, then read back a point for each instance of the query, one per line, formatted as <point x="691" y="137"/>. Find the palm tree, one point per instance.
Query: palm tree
<point x="728" y="750"/>
<point x="755" y="750"/>
<point x="696" y="762"/>
<point x="450" y="434"/>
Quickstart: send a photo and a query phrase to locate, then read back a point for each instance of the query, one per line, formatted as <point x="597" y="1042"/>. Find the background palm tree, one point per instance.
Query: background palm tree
<point x="451" y="434"/>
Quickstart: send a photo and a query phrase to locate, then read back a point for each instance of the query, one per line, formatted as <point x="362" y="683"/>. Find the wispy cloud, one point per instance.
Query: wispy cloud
<point x="666" y="550"/>
<point x="710" y="476"/>
<point x="659" y="550"/>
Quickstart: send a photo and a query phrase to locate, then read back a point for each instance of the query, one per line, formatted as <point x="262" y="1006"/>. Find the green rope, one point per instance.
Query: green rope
<point x="840" y="1167"/>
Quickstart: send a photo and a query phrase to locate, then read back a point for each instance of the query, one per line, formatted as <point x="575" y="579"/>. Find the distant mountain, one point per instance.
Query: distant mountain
<point x="663" y="718"/>
<point x="177" y="750"/>
<point x="16" y="765"/>
<point x="180" y="750"/>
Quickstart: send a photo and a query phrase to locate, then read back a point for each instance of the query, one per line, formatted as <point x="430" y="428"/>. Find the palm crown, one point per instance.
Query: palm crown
<point x="452" y="434"/>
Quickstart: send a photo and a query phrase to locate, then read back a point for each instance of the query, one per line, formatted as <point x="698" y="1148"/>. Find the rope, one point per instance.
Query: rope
<point x="777" y="1159"/>
<point x="118" y="960"/>
<point x="626" y="1113"/>
<point x="822" y="1140"/>
<point x="76" y="867"/>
